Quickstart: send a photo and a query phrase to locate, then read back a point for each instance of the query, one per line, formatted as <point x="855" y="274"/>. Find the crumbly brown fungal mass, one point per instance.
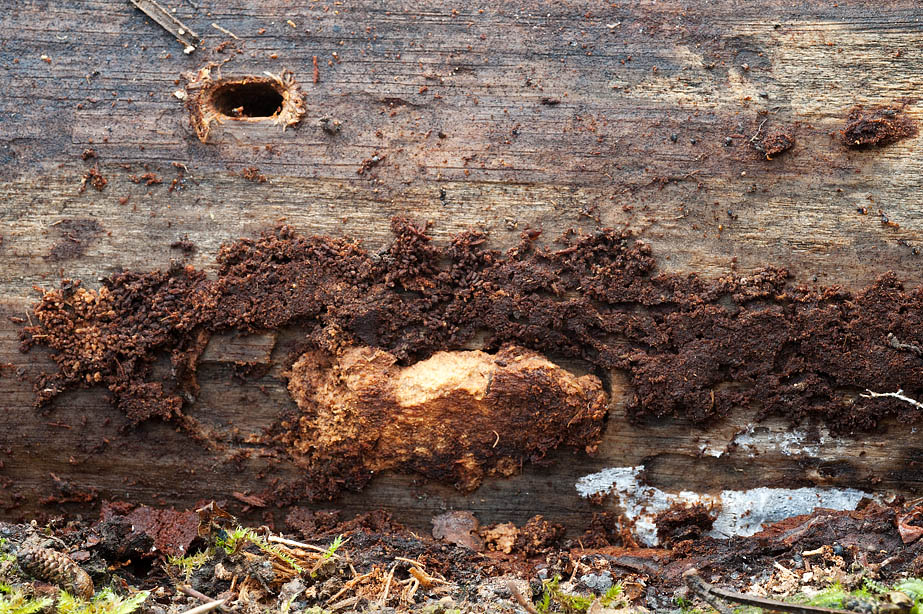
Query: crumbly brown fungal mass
<point x="877" y="126"/>
<point x="456" y="416"/>
<point x="689" y="347"/>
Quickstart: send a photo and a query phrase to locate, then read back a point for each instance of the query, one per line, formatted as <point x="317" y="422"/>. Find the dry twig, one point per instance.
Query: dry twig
<point x="899" y="395"/>
<point x="206" y="607"/>
<point x="168" y="22"/>
<point x="528" y="607"/>
<point x="716" y="597"/>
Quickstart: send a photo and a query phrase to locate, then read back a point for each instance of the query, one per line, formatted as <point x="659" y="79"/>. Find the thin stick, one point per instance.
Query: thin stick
<point x="344" y="603"/>
<point x="713" y="596"/>
<point x="191" y="592"/>
<point x="350" y="584"/>
<point x="168" y="22"/>
<point x="528" y="607"/>
<point x="896" y="395"/>
<point x="205" y="607"/>
<point x="293" y="543"/>
<point x="228" y="32"/>
<point x="384" y="595"/>
<point x="424" y="578"/>
<point x="894" y="342"/>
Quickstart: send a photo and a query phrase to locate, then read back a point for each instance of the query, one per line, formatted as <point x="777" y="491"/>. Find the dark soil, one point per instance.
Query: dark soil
<point x="690" y="347"/>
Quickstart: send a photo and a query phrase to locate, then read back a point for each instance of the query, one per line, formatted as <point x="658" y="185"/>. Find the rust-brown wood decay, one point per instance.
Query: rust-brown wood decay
<point x="504" y="118"/>
<point x="440" y="417"/>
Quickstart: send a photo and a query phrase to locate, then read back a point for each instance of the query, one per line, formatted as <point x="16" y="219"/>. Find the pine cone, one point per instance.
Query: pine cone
<point x="56" y="568"/>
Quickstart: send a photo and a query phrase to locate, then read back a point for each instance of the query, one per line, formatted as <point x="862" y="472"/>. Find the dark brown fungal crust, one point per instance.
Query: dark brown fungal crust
<point x="688" y="346"/>
<point x="456" y="417"/>
<point x="877" y="126"/>
<point x="681" y="522"/>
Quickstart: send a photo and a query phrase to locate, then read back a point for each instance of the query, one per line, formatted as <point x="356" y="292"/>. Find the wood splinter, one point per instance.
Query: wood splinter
<point x="168" y="22"/>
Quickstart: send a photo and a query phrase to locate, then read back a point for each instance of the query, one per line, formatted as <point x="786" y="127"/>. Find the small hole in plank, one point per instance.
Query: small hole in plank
<point x="247" y="99"/>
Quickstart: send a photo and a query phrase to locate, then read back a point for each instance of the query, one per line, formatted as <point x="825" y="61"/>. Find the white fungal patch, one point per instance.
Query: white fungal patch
<point x="789" y="442"/>
<point x="742" y="512"/>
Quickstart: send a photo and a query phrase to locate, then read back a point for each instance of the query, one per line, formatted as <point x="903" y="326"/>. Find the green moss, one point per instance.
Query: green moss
<point x="241" y="536"/>
<point x="334" y="546"/>
<point x="13" y="601"/>
<point x="553" y="599"/>
<point x="105" y="602"/>
<point x="188" y="564"/>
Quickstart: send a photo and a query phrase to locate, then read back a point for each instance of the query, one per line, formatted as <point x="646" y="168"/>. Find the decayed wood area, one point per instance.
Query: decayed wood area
<point x="504" y="117"/>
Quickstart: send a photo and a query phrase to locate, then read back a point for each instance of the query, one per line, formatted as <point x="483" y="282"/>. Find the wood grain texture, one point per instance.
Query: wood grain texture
<point x="499" y="116"/>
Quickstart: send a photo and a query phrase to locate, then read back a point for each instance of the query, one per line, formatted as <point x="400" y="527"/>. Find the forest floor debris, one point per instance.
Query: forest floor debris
<point x="834" y="560"/>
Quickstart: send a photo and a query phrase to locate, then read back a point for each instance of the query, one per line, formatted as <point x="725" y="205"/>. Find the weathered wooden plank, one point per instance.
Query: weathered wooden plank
<point x="507" y="117"/>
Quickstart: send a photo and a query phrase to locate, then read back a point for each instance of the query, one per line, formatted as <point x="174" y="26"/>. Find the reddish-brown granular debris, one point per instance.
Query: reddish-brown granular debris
<point x="776" y="143"/>
<point x="877" y="126"/>
<point x="253" y="174"/>
<point x="94" y="178"/>
<point x="370" y="163"/>
<point x="538" y="536"/>
<point x="609" y="529"/>
<point x="680" y="522"/>
<point x="804" y="353"/>
<point x="171" y="530"/>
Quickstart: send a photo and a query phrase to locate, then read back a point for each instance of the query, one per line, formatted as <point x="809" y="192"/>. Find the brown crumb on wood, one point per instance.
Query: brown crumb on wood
<point x="877" y="127"/>
<point x="146" y="178"/>
<point x="776" y="143"/>
<point x="184" y="245"/>
<point x="87" y="154"/>
<point x="253" y="174"/>
<point x="316" y="70"/>
<point x="370" y="163"/>
<point x="94" y="178"/>
<point x="330" y="125"/>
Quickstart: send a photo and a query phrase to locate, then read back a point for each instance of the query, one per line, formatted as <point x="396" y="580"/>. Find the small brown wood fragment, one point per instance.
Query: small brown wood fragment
<point x="169" y="23"/>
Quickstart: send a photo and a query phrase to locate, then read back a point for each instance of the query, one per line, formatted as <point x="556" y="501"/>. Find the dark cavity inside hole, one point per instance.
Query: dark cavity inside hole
<point x="253" y="99"/>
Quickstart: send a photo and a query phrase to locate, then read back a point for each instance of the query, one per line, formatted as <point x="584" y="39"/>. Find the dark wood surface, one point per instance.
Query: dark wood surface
<point x="504" y="116"/>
